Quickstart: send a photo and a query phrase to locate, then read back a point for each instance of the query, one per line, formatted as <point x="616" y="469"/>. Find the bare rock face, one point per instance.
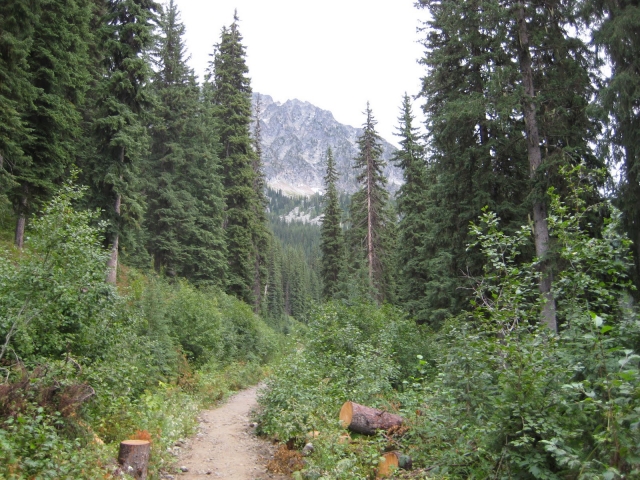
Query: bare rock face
<point x="295" y="138"/>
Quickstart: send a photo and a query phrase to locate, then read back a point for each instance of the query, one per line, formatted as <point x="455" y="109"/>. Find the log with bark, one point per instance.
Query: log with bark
<point x="134" y="457"/>
<point x="362" y="419"/>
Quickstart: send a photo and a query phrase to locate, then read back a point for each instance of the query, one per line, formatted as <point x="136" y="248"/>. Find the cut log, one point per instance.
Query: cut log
<point x="388" y="464"/>
<point x="134" y="457"/>
<point x="361" y="419"/>
<point x="391" y="461"/>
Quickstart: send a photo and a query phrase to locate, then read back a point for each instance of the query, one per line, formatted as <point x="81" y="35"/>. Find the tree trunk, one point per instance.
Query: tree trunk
<point x="540" y="227"/>
<point x="112" y="263"/>
<point x="22" y="218"/>
<point x="134" y="457"/>
<point x="361" y="419"/>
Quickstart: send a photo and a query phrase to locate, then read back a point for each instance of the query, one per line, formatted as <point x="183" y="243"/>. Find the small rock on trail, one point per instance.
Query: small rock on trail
<point x="226" y="446"/>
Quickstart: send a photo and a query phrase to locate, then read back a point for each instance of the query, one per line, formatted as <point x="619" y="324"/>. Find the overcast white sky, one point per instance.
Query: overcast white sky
<point x="335" y="54"/>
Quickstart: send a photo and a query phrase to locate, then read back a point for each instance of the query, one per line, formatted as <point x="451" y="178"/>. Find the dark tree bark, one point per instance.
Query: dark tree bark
<point x="540" y="227"/>
<point x="134" y="457"/>
<point x="22" y="218"/>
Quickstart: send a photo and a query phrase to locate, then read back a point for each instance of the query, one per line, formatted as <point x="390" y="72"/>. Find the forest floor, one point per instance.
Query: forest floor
<point x="226" y="445"/>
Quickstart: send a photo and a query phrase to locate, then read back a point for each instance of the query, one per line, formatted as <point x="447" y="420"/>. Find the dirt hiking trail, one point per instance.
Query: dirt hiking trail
<point x="226" y="446"/>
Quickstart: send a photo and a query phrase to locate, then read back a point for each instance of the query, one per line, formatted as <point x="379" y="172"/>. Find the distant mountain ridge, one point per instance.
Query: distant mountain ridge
<point x="295" y="138"/>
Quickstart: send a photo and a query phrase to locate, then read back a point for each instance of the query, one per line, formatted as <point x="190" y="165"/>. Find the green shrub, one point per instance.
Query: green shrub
<point x="351" y="352"/>
<point x="79" y="360"/>
<point x="514" y="400"/>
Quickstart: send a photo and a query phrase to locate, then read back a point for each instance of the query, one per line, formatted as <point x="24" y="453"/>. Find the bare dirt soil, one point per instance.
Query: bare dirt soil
<point x="226" y="445"/>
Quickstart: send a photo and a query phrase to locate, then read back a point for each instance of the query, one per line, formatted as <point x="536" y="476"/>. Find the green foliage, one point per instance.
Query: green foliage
<point x="119" y="140"/>
<point x="332" y="242"/>
<point x="79" y="360"/>
<point x="474" y="99"/>
<point x="370" y="237"/>
<point x="227" y="92"/>
<point x="185" y="197"/>
<point x="32" y="446"/>
<point x="513" y="400"/>
<point x="412" y="208"/>
<point x="58" y="64"/>
<point x="357" y="353"/>
<point x="53" y="296"/>
<point x="614" y="29"/>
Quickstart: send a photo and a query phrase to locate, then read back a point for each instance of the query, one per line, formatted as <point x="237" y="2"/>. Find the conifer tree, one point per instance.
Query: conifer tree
<point x="261" y="234"/>
<point x="411" y="205"/>
<point x="274" y="289"/>
<point x="615" y="28"/>
<point x="17" y="20"/>
<point x="57" y="64"/>
<point x="121" y="140"/>
<point x="478" y="140"/>
<point x="228" y="91"/>
<point x="331" y="238"/>
<point x="296" y="279"/>
<point x="184" y="192"/>
<point x="370" y="219"/>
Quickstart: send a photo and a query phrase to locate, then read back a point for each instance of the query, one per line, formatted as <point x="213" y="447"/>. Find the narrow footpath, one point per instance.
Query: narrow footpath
<point x="226" y="445"/>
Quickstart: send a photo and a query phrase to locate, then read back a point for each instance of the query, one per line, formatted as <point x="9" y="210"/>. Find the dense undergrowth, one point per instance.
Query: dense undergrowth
<point x="85" y="365"/>
<point x="493" y="394"/>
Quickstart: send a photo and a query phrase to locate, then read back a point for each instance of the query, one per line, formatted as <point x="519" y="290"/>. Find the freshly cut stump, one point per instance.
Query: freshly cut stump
<point x="362" y="419"/>
<point x="134" y="457"/>
<point x="392" y="461"/>
<point x="388" y="464"/>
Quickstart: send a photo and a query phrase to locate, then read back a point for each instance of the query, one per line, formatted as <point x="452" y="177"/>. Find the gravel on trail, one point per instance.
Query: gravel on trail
<point x="226" y="446"/>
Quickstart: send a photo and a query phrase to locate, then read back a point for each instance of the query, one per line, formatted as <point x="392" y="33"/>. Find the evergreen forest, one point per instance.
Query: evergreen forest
<point x="147" y="269"/>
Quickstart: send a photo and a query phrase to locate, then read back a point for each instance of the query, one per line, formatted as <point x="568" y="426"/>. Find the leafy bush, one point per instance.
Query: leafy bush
<point x="82" y="362"/>
<point x="513" y="400"/>
<point x="52" y="295"/>
<point x="358" y="353"/>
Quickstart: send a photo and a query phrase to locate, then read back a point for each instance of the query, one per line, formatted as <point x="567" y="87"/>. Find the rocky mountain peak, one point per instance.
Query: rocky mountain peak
<point x="295" y="138"/>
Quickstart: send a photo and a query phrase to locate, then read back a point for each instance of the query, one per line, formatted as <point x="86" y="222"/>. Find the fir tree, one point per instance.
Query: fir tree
<point x="478" y="140"/>
<point x="57" y="64"/>
<point x="261" y="234"/>
<point x="296" y="279"/>
<point x="369" y="210"/>
<point x="121" y="140"/>
<point x="411" y="205"/>
<point x="17" y="20"/>
<point x="185" y="204"/>
<point x="229" y="92"/>
<point x="615" y="28"/>
<point x="331" y="238"/>
<point x="274" y="289"/>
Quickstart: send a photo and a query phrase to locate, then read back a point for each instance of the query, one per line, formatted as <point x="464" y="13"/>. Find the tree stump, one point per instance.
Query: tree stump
<point x="134" y="457"/>
<point x="361" y="419"/>
<point x="391" y="461"/>
<point x="388" y="464"/>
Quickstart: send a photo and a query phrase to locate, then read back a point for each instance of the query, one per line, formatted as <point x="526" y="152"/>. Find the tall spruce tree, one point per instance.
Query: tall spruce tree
<point x="370" y="218"/>
<point x="184" y="191"/>
<point x="479" y="143"/>
<point x="17" y="92"/>
<point x="274" y="291"/>
<point x="57" y="65"/>
<point x="412" y="207"/>
<point x="121" y="141"/>
<point x="331" y="238"/>
<point x="261" y="236"/>
<point x="229" y="92"/>
<point x="616" y="29"/>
